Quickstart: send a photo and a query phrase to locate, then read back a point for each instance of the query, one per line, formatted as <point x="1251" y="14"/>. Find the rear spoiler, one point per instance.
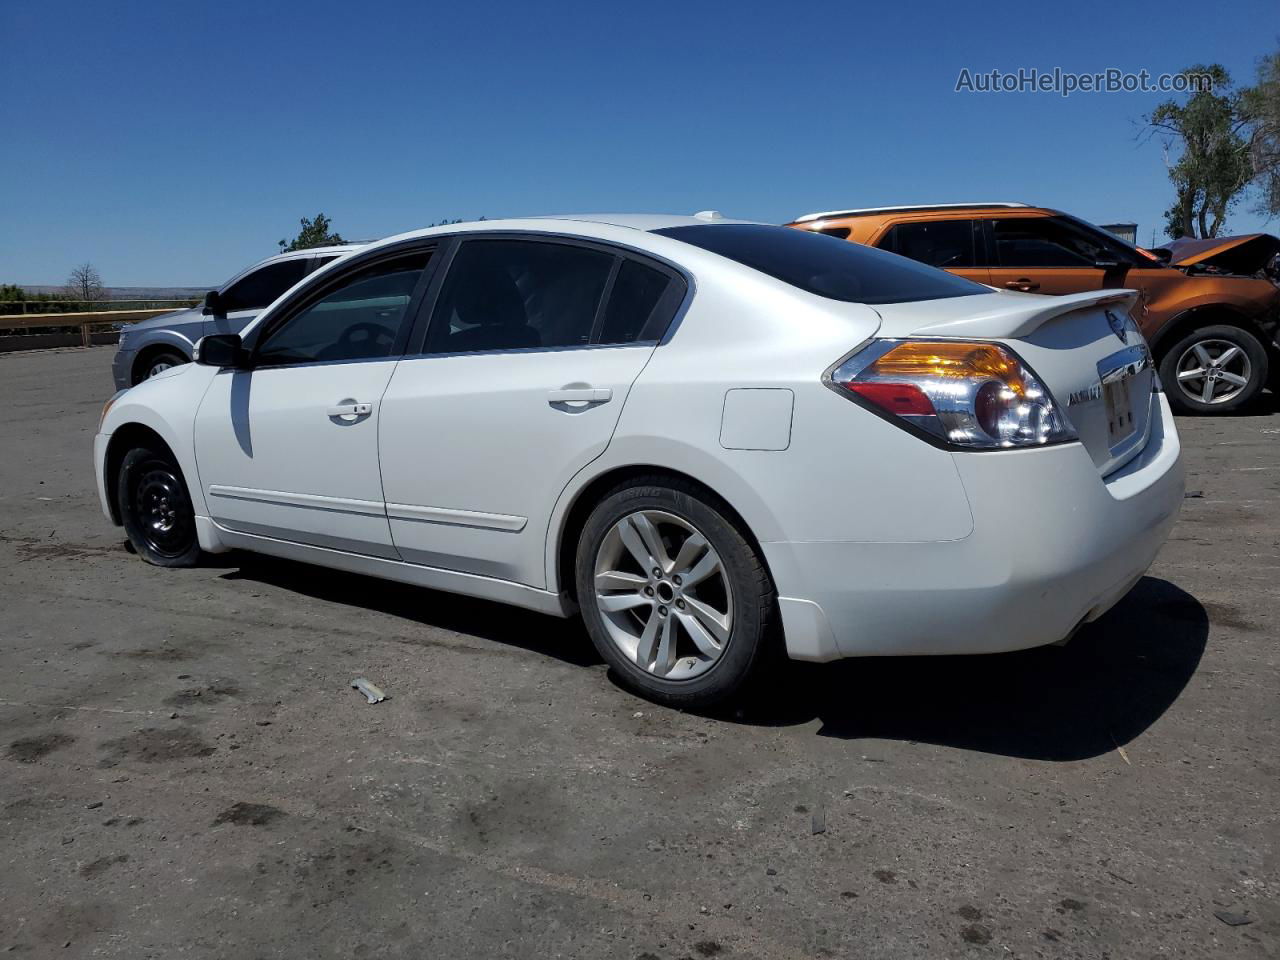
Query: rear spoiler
<point x="1024" y="314"/>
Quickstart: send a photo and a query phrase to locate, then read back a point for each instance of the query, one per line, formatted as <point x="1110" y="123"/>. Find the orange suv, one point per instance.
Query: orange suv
<point x="1209" y="308"/>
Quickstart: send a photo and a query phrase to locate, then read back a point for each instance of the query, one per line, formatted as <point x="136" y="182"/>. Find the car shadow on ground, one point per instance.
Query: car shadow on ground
<point x="1110" y="683"/>
<point x="1114" y="679"/>
<point x="565" y="640"/>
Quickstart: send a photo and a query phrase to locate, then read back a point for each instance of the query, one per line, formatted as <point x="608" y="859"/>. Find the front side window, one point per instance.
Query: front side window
<point x="946" y="244"/>
<point x="1046" y="242"/>
<point x="825" y="266"/>
<point x="360" y="319"/>
<point x="518" y="294"/>
<point x="262" y="287"/>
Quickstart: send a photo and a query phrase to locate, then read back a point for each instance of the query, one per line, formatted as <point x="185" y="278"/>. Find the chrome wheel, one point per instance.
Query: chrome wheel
<point x="1213" y="371"/>
<point x="663" y="595"/>
<point x="160" y="366"/>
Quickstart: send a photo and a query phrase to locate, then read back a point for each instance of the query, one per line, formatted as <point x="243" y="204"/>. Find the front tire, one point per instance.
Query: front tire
<point x="1214" y="370"/>
<point x="674" y="596"/>
<point x="155" y="507"/>
<point x="157" y="363"/>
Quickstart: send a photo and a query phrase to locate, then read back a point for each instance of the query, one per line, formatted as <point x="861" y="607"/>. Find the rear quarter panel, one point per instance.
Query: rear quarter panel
<point x="845" y="474"/>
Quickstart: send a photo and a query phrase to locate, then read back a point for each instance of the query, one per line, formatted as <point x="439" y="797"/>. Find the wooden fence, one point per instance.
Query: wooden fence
<point x="84" y="321"/>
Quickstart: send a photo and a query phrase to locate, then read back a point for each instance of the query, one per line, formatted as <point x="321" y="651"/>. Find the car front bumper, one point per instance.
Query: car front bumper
<point x="122" y="368"/>
<point x="1053" y="546"/>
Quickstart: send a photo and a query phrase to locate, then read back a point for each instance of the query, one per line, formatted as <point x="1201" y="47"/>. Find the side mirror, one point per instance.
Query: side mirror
<point x="221" y="350"/>
<point x="213" y="305"/>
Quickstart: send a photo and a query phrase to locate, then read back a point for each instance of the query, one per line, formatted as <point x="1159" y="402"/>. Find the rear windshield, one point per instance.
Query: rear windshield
<point x="836" y="269"/>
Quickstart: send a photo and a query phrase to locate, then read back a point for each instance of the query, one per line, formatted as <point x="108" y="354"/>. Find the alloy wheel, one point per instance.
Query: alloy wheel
<point x="663" y="594"/>
<point x="1213" y="371"/>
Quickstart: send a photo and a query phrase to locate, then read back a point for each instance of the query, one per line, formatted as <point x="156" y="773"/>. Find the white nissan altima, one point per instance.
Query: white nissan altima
<point x="715" y="439"/>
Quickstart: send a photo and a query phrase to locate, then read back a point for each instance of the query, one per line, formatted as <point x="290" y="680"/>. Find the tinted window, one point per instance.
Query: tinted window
<point x="358" y="320"/>
<point x="641" y="304"/>
<point x="1046" y="242"/>
<point x="825" y="266"/>
<point x="513" y="294"/>
<point x="947" y="244"/>
<point x="263" y="286"/>
<point x="315" y="263"/>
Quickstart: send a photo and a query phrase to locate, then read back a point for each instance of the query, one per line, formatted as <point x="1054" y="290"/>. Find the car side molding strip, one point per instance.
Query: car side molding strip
<point x="457" y="518"/>
<point x="306" y="500"/>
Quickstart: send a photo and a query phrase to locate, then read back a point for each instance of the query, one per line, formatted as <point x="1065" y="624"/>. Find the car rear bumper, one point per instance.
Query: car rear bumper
<point x="1053" y="545"/>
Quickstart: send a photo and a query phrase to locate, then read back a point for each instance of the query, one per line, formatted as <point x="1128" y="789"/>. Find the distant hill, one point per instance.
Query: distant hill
<point x="132" y="293"/>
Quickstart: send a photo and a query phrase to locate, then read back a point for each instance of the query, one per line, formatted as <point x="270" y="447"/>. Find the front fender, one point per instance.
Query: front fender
<point x="166" y="405"/>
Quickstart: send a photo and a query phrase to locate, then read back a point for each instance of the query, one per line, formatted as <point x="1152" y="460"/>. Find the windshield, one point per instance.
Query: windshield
<point x="836" y="269"/>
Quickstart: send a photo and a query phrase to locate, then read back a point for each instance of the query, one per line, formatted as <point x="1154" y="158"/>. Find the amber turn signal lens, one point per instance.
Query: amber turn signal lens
<point x="950" y="360"/>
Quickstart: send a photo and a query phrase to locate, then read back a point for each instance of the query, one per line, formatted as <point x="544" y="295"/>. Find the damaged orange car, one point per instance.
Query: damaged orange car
<point x="1208" y="308"/>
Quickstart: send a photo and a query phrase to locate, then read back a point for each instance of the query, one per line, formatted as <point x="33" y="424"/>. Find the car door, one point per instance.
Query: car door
<point x="1038" y="254"/>
<point x="288" y="448"/>
<point x="531" y="348"/>
<point x="954" y="245"/>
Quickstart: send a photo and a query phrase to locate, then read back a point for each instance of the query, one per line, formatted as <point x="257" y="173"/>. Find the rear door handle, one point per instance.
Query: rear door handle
<point x="350" y="408"/>
<point x="1025" y="284"/>
<point x="580" y="395"/>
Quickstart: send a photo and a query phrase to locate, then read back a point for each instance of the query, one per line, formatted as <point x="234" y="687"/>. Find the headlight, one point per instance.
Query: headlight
<point x="106" y="408"/>
<point x="967" y="394"/>
<point x="124" y="337"/>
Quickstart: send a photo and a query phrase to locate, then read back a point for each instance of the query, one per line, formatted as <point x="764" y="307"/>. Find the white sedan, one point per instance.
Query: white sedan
<point x="717" y="440"/>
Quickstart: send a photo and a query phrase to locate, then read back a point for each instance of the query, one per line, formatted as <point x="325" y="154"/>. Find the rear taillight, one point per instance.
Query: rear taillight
<point x="963" y="393"/>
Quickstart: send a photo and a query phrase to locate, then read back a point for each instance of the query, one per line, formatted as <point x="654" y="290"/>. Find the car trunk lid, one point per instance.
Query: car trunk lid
<point x="1084" y="347"/>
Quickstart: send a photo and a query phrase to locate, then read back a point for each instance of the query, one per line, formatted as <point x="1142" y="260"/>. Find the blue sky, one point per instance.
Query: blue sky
<point x="174" y="142"/>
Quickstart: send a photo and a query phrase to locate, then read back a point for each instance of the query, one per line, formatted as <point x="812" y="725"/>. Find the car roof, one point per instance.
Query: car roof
<point x="316" y="251"/>
<point x="598" y="225"/>
<point x="858" y="211"/>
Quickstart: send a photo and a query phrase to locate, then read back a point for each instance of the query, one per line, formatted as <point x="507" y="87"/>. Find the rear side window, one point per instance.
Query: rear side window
<point x="946" y="244"/>
<point x="261" y="287"/>
<point x="517" y="294"/>
<point x="641" y="305"/>
<point x="825" y="266"/>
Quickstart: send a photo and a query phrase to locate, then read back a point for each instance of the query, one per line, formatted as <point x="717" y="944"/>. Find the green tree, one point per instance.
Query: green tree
<point x="1206" y="151"/>
<point x="314" y="233"/>
<point x="1262" y="110"/>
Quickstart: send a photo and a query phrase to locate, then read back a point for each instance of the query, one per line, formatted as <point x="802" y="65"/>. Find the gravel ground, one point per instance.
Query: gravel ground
<point x="184" y="769"/>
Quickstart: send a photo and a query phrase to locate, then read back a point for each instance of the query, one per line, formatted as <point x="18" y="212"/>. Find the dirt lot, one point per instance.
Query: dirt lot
<point x="185" y="771"/>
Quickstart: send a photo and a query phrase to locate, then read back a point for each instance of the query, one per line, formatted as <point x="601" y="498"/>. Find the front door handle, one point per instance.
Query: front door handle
<point x="580" y="395"/>
<point x="350" y="408"/>
<point x="1025" y="284"/>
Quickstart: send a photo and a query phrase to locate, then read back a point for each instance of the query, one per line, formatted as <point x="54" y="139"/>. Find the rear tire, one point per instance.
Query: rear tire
<point x="1214" y="370"/>
<point x="156" y="509"/>
<point x="676" y="598"/>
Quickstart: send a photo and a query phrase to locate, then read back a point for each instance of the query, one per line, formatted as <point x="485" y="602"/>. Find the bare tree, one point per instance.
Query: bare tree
<point x="85" y="283"/>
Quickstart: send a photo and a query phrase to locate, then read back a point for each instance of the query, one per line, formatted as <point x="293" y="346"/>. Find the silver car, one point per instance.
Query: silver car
<point x="156" y="344"/>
